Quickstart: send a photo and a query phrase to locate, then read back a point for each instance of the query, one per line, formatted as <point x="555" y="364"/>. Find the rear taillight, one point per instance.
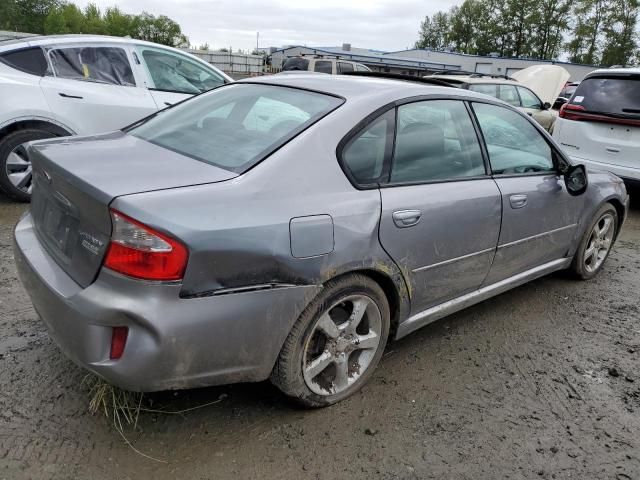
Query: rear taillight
<point x="571" y="112"/>
<point x="139" y="251"/>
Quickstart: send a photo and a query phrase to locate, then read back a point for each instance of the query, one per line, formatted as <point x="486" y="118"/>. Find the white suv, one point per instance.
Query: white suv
<point x="82" y="85"/>
<point x="600" y="125"/>
<point x="332" y="66"/>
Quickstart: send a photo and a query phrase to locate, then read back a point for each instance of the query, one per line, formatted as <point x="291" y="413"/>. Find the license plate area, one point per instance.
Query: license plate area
<point x="56" y="222"/>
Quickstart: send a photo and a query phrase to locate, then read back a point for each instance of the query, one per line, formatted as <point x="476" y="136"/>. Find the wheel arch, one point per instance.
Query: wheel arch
<point x="39" y="123"/>
<point x="394" y="289"/>
<point x="620" y="210"/>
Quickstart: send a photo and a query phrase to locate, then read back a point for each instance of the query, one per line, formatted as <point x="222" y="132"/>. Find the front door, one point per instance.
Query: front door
<point x="93" y="88"/>
<point x="539" y="216"/>
<point x="440" y="210"/>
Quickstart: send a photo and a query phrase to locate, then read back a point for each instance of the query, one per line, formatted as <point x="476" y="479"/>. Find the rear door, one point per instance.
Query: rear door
<point x="173" y="77"/>
<point x="92" y="88"/>
<point x="601" y="122"/>
<point x="533" y="107"/>
<point x="539" y="217"/>
<point x="440" y="210"/>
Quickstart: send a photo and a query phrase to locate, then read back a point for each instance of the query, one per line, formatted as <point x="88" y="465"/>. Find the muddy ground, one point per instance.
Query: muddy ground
<point x="541" y="382"/>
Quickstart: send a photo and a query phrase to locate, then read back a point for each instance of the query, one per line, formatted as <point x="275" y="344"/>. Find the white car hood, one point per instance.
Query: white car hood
<point x="545" y="80"/>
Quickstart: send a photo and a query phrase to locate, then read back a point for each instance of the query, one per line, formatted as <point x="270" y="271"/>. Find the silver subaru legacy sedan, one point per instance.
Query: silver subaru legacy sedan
<point x="288" y="227"/>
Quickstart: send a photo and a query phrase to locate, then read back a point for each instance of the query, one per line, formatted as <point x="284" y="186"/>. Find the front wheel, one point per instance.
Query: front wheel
<point x="336" y="343"/>
<point x="596" y="243"/>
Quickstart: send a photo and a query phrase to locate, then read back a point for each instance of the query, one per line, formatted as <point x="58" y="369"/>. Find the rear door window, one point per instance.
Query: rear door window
<point x="323" y="66"/>
<point x="94" y="64"/>
<point x="29" y="60"/>
<point x="173" y="72"/>
<point x="435" y="140"/>
<point x="236" y="126"/>
<point x="609" y="95"/>
<point x="345" y="67"/>
<point x="361" y="68"/>
<point x="487" y="89"/>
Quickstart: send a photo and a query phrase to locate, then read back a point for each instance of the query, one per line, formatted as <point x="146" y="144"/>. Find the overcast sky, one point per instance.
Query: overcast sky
<point x="378" y="24"/>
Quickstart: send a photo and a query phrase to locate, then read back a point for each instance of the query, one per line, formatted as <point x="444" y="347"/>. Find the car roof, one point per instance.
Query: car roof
<point x="352" y="87"/>
<point x="43" y="40"/>
<point x="472" y="79"/>
<point x="613" y="71"/>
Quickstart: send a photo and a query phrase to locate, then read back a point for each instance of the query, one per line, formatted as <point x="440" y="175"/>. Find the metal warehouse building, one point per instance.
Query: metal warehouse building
<point x="422" y="61"/>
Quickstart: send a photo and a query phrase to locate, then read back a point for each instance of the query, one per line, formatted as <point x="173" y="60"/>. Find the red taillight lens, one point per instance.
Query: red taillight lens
<point x="571" y="112"/>
<point x="118" y="342"/>
<point x="139" y="251"/>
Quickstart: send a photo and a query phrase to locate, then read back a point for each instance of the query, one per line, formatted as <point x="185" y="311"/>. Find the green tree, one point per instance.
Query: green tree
<point x="434" y="32"/>
<point x="551" y="25"/>
<point x="29" y="15"/>
<point x="585" y="45"/>
<point x="55" y="23"/>
<point x="74" y="18"/>
<point x="204" y="46"/>
<point x="93" y="21"/>
<point x="117" y="23"/>
<point x="8" y="14"/>
<point x="620" y="34"/>
<point x="159" y="29"/>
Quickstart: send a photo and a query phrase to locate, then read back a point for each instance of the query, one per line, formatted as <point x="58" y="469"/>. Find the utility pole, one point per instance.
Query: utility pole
<point x="257" y="41"/>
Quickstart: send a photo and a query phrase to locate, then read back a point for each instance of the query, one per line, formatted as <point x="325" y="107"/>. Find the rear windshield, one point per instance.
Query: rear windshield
<point x="295" y="63"/>
<point x="236" y="126"/>
<point x="613" y="95"/>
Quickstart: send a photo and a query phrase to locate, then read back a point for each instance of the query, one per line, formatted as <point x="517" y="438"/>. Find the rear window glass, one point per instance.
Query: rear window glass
<point x="295" y="63"/>
<point x="609" y="95"/>
<point x="235" y="127"/>
<point x="29" y="60"/>
<point x="93" y="64"/>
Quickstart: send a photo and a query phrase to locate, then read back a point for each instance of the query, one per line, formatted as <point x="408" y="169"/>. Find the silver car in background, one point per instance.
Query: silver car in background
<point x="287" y="227"/>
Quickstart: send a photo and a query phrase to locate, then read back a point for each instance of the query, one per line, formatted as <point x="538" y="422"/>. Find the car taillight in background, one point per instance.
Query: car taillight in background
<point x="571" y="112"/>
<point x="138" y="251"/>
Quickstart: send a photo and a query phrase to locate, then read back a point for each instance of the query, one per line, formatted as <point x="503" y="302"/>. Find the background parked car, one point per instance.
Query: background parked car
<point x="83" y="84"/>
<point x="565" y="94"/>
<point x="533" y="89"/>
<point x="600" y="125"/>
<point x="319" y="64"/>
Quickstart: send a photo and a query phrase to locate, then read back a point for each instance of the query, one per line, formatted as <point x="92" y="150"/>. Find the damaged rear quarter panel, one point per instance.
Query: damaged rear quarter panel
<point x="238" y="231"/>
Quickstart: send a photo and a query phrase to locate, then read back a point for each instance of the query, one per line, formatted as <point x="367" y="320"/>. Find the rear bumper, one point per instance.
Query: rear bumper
<point x="173" y="342"/>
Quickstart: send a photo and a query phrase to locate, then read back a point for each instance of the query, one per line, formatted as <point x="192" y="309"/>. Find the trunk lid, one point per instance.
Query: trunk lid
<point x="547" y="81"/>
<point x="75" y="180"/>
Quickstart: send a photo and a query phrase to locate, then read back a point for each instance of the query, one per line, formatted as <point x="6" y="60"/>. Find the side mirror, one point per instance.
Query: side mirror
<point x="575" y="179"/>
<point x="546" y="106"/>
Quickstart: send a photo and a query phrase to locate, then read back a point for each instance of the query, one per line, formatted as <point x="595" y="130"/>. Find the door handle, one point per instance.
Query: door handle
<point x="530" y="114"/>
<point x="518" y="201"/>
<point x="406" y="218"/>
<point x="69" y="96"/>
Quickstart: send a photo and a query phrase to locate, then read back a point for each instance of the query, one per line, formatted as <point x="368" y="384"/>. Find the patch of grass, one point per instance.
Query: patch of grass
<point x="123" y="408"/>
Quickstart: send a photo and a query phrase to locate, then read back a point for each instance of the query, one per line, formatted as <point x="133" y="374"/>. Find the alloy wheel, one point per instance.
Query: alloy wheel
<point x="599" y="243"/>
<point x="18" y="168"/>
<point x="342" y="345"/>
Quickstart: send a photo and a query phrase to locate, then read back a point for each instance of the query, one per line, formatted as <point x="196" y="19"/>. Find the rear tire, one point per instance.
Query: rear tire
<point x="15" y="167"/>
<point x="336" y="343"/>
<point x="596" y="243"/>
